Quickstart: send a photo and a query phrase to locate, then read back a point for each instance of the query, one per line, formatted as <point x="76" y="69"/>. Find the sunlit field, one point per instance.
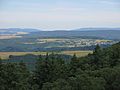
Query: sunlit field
<point x="5" y="55"/>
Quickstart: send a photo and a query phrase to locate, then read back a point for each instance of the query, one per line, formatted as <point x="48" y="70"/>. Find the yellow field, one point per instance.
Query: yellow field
<point x="103" y="41"/>
<point x="52" y="39"/>
<point x="5" y="55"/>
<point x="78" y="53"/>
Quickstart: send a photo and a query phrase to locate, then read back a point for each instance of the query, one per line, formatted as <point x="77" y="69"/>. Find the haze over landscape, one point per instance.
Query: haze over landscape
<point x="58" y="25"/>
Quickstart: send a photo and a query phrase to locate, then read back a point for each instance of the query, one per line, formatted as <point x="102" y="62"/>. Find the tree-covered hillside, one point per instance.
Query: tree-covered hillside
<point x="97" y="71"/>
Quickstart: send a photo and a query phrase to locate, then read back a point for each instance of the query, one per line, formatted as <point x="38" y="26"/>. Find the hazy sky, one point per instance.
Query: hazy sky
<point x="59" y="14"/>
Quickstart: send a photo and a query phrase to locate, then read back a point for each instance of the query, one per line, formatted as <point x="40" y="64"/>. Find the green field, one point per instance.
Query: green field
<point x="5" y="55"/>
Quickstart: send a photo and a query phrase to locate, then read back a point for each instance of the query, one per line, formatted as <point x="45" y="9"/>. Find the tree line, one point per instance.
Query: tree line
<point x="97" y="71"/>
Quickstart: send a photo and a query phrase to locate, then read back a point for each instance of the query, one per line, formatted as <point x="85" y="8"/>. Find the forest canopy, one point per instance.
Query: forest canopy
<point x="97" y="71"/>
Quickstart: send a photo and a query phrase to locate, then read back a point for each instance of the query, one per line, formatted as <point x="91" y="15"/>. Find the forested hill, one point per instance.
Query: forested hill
<point x="107" y="34"/>
<point x="17" y="30"/>
<point x="97" y="71"/>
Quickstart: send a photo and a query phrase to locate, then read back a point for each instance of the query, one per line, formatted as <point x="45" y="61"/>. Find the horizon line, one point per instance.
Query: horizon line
<point x="85" y="28"/>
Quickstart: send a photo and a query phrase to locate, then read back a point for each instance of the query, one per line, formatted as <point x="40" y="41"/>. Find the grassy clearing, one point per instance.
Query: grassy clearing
<point x="5" y="55"/>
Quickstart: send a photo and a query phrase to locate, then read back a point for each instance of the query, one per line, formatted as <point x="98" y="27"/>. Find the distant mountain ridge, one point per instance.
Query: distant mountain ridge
<point x="16" y="30"/>
<point x="91" y="29"/>
<point x="107" y="33"/>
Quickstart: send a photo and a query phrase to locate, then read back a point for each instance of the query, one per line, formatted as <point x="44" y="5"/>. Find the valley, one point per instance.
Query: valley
<point x="34" y="40"/>
<point x="25" y="44"/>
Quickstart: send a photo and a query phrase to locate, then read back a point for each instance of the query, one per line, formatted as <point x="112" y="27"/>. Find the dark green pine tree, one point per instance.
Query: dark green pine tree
<point x="74" y="64"/>
<point x="0" y="63"/>
<point x="1" y="75"/>
<point x="97" y="52"/>
<point x="97" y="60"/>
<point x="24" y="74"/>
<point x="47" y="57"/>
<point x="42" y="71"/>
<point x="115" y="55"/>
<point x="58" y="68"/>
<point x="13" y="76"/>
<point x="10" y="77"/>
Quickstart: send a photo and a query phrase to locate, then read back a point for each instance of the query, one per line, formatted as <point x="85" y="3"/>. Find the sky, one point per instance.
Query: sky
<point x="59" y="14"/>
